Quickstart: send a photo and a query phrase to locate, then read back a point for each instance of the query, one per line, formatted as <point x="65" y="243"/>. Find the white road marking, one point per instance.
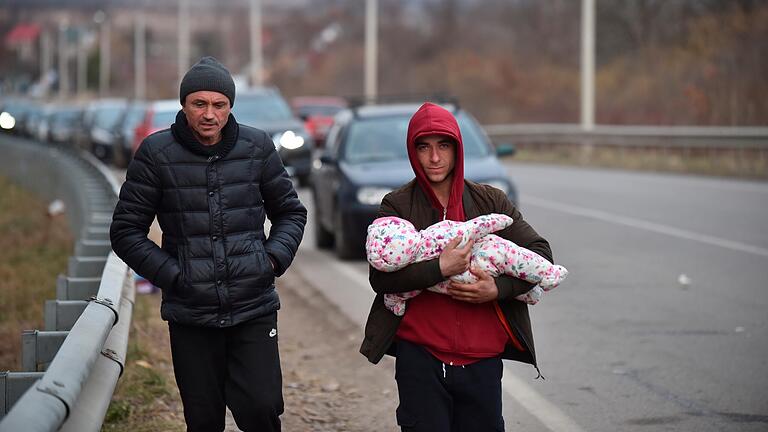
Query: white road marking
<point x="547" y="413"/>
<point x="645" y="225"/>
<point x="351" y="273"/>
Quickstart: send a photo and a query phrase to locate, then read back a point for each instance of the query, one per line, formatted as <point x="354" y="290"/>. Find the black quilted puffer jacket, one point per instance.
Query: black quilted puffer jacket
<point x="211" y="202"/>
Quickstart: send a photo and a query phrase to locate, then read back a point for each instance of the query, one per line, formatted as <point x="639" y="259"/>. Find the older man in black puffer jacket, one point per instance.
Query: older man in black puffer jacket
<point x="212" y="182"/>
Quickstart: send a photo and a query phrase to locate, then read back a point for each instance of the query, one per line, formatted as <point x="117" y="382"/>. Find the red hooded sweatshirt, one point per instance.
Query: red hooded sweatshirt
<point x="456" y="332"/>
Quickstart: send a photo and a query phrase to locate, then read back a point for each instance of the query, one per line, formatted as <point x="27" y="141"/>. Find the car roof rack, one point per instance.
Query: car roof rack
<point x="356" y="102"/>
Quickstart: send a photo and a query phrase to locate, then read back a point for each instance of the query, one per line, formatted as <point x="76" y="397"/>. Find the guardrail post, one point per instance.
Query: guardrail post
<point x="61" y="315"/>
<point x="76" y="288"/>
<point x="96" y="232"/>
<point x="102" y="217"/>
<point x="38" y="348"/>
<point x="86" y="266"/>
<point x="93" y="247"/>
<point x="12" y="387"/>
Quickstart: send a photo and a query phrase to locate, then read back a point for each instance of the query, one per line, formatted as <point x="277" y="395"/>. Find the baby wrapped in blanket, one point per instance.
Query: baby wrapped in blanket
<point x="394" y="243"/>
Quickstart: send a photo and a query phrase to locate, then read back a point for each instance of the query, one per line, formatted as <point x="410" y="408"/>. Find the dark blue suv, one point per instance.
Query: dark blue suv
<point x="366" y="157"/>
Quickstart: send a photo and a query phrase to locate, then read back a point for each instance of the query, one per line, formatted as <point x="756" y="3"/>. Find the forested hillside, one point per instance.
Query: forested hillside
<point x="658" y="62"/>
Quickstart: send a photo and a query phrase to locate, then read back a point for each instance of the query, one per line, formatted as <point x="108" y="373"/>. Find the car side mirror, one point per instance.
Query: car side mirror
<point x="505" y="149"/>
<point x="327" y="159"/>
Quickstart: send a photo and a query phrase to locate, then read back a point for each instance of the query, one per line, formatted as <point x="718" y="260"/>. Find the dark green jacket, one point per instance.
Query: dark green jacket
<point x="410" y="203"/>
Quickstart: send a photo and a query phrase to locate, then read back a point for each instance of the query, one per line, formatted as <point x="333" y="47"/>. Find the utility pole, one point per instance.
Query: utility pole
<point x="46" y="61"/>
<point x="82" y="58"/>
<point x="184" y="38"/>
<point x="587" y="65"/>
<point x="105" y="52"/>
<point x="140" y="56"/>
<point x="371" y="45"/>
<point x="63" y="60"/>
<point x="257" y="60"/>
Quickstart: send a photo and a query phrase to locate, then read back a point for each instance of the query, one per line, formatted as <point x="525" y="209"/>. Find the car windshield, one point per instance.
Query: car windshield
<point x="107" y="117"/>
<point x="65" y="116"/>
<point x="133" y="116"/>
<point x="383" y="139"/>
<point x="318" y="110"/>
<point x="163" y="119"/>
<point x="18" y="110"/>
<point x="265" y="107"/>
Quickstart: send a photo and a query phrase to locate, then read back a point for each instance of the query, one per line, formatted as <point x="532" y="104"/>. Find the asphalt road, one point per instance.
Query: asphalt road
<point x="623" y="344"/>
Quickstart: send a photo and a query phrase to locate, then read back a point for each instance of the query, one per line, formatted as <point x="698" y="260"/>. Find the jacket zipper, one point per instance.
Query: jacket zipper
<point x="213" y="228"/>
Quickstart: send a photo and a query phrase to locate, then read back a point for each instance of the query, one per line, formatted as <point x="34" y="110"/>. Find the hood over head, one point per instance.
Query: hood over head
<point x="432" y="119"/>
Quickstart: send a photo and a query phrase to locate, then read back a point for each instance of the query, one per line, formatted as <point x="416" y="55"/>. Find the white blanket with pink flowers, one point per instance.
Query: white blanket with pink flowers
<point x="394" y="243"/>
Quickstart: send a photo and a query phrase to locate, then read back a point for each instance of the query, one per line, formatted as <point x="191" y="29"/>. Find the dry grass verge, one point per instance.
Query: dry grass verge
<point x="34" y="249"/>
<point x="327" y="385"/>
<point x="146" y="399"/>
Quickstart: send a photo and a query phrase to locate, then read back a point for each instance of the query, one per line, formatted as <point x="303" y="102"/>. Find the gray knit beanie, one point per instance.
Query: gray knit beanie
<point x="209" y="75"/>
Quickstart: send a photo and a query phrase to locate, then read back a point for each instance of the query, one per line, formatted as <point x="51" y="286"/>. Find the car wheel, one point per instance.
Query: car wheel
<point x="344" y="250"/>
<point x="100" y="152"/>
<point x="323" y="237"/>
<point x="119" y="159"/>
<point x="304" y="180"/>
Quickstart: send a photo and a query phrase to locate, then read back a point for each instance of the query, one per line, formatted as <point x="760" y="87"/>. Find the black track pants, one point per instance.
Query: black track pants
<point x="238" y="367"/>
<point x="436" y="397"/>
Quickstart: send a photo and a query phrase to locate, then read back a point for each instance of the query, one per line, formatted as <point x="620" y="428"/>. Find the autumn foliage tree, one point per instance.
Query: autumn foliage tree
<point x="700" y="62"/>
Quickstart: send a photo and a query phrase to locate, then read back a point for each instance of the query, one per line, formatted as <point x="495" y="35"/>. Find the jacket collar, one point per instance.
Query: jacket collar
<point x="470" y="208"/>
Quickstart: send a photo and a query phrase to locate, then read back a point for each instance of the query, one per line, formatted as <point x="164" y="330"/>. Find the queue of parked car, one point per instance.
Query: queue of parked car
<point x="94" y="126"/>
<point x="317" y="113"/>
<point x="112" y="129"/>
<point x="359" y="157"/>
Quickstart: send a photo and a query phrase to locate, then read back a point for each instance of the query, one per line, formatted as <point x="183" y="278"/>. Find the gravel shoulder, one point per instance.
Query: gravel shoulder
<point x="327" y="384"/>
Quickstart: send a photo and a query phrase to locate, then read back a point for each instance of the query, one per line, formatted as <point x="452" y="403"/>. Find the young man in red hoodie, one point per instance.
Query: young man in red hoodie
<point x="449" y="348"/>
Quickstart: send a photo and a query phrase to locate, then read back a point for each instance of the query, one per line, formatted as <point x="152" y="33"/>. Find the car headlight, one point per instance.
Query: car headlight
<point x="498" y="184"/>
<point x="372" y="195"/>
<point x="288" y="139"/>
<point x="102" y="136"/>
<point x="7" y="121"/>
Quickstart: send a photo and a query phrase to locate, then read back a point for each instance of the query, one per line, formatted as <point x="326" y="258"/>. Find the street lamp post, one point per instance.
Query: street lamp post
<point x="46" y="57"/>
<point x="82" y="60"/>
<point x="257" y="61"/>
<point x="371" y="45"/>
<point x="63" y="60"/>
<point x="140" y="56"/>
<point x="184" y="42"/>
<point x="105" y="52"/>
<point x="587" y="64"/>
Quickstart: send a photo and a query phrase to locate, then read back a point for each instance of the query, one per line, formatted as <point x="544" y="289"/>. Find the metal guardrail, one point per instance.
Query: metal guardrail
<point x="70" y="368"/>
<point x="673" y="136"/>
